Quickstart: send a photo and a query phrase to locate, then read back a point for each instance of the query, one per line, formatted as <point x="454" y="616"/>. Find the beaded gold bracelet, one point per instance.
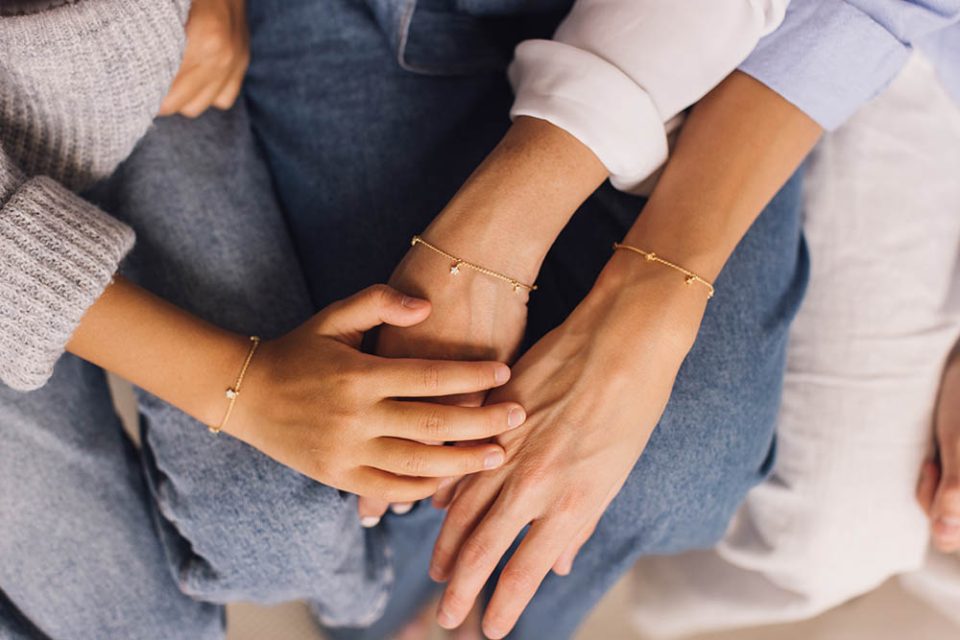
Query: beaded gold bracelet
<point x="456" y="263"/>
<point x="233" y="392"/>
<point x="689" y="276"/>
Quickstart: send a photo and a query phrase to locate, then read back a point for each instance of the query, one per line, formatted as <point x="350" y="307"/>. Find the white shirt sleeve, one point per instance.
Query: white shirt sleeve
<point x="617" y="70"/>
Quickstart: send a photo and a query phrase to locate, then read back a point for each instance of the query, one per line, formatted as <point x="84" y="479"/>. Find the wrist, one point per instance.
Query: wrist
<point x="647" y="297"/>
<point x="510" y="211"/>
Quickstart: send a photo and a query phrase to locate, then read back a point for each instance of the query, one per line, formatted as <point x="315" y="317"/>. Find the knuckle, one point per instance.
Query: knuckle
<point x="350" y="383"/>
<point x="570" y="502"/>
<point x="431" y="379"/>
<point x="459" y="519"/>
<point x="457" y="600"/>
<point x="214" y="46"/>
<point x="474" y="553"/>
<point x="518" y="580"/>
<point x="531" y="476"/>
<point x="413" y="464"/>
<point x="381" y="294"/>
<point x="433" y="427"/>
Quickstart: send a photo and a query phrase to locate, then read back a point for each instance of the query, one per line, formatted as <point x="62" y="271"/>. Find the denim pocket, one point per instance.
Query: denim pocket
<point x="462" y="37"/>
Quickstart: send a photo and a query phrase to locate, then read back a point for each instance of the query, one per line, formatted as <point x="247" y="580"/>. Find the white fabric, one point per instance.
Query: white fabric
<point x="617" y="70"/>
<point x="838" y="516"/>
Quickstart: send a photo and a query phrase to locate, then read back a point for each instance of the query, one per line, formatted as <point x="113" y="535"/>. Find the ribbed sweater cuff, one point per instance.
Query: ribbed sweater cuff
<point x="58" y="253"/>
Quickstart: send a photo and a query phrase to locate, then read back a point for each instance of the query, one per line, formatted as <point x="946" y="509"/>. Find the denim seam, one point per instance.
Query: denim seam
<point x="403" y="33"/>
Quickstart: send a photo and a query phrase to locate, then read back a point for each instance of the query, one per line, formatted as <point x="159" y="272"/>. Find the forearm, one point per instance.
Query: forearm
<point x="738" y="147"/>
<point x="510" y="211"/>
<point x="161" y="348"/>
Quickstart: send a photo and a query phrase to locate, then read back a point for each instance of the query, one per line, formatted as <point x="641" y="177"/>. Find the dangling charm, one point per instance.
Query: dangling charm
<point x="690" y="280"/>
<point x="455" y="267"/>
<point x="516" y="287"/>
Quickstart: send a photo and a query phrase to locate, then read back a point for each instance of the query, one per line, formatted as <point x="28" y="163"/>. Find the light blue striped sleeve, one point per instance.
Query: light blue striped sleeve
<point x="829" y="57"/>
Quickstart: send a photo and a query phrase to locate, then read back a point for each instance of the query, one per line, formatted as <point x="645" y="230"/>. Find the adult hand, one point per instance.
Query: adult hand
<point x="314" y="402"/>
<point x="214" y="61"/>
<point x="506" y="217"/>
<point x="939" y="488"/>
<point x="594" y="390"/>
<point x="475" y="317"/>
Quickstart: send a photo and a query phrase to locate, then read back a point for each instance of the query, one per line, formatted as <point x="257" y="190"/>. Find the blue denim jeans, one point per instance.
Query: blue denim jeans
<point x="369" y="117"/>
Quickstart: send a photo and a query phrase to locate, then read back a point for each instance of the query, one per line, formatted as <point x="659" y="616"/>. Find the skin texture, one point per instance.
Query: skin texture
<point x="311" y="399"/>
<point x="939" y="489"/>
<point x="215" y="59"/>
<point x="595" y="387"/>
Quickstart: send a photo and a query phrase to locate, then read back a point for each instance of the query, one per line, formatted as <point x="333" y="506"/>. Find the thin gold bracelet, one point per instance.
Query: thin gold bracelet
<point x="456" y="263"/>
<point x="232" y="393"/>
<point x="689" y="276"/>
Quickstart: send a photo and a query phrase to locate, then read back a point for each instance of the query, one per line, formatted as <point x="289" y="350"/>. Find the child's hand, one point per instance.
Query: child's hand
<point x="314" y="402"/>
<point x="215" y="59"/>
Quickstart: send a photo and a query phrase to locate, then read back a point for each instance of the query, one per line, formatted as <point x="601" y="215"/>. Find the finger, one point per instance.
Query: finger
<point x="401" y="508"/>
<point x="418" y="460"/>
<point x="472" y="500"/>
<point x="203" y="99"/>
<point x="349" y="319"/>
<point x="371" y="510"/>
<point x="187" y="83"/>
<point x="412" y="378"/>
<point x="946" y="503"/>
<point x="564" y="565"/>
<point x="230" y="90"/>
<point x="523" y="574"/>
<point x="927" y="485"/>
<point x="389" y="487"/>
<point x="445" y="492"/>
<point x="431" y="422"/>
<point x="478" y="557"/>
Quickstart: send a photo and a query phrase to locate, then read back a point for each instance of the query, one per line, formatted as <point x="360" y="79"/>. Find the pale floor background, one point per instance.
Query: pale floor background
<point x="889" y="613"/>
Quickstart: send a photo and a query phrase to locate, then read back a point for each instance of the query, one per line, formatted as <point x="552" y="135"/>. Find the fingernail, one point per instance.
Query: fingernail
<point x="446" y="620"/>
<point x="950" y="524"/>
<point x="413" y="303"/>
<point x="516" y="417"/>
<point x="402" y="508"/>
<point x="446" y="482"/>
<point x="492" y="632"/>
<point x="369" y="522"/>
<point x="493" y="460"/>
<point x="502" y="374"/>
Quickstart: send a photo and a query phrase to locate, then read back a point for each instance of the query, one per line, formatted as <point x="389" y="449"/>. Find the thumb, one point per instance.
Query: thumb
<point x="945" y="511"/>
<point x="349" y="319"/>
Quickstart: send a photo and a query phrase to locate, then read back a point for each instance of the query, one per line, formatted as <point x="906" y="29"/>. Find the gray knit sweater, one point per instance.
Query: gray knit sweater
<point x="80" y="83"/>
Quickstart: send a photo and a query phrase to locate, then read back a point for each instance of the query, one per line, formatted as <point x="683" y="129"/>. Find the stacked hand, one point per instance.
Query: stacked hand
<point x="368" y="439"/>
<point x="593" y="389"/>
<point x="481" y="319"/>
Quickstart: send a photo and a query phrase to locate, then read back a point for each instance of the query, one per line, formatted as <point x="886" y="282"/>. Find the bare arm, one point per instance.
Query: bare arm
<point x="311" y="399"/>
<point x="610" y="367"/>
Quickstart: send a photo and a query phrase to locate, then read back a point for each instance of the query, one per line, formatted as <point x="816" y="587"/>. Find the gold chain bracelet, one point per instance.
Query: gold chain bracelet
<point x="456" y="263"/>
<point x="232" y="393"/>
<point x="689" y="276"/>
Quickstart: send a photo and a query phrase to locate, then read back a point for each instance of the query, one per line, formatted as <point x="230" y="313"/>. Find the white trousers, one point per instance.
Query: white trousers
<point x="838" y="516"/>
